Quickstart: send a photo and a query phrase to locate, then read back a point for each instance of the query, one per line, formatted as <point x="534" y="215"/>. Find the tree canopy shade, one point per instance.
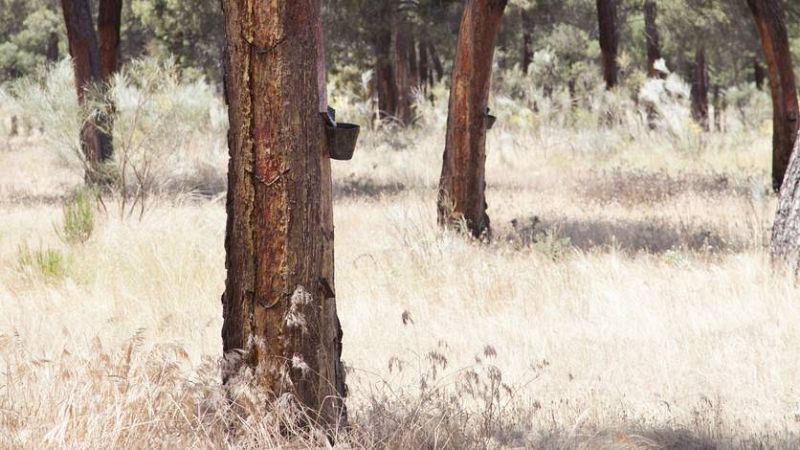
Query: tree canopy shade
<point x="279" y="303"/>
<point x="462" y="184"/>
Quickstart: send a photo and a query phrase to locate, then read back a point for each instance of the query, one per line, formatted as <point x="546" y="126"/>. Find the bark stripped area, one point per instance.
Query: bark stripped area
<point x="83" y="47"/>
<point x="775" y="43"/>
<point x="279" y="303"/>
<point x="463" y="181"/>
<point x="609" y="40"/>
<point x="652" y="37"/>
<point x="700" y="89"/>
<point x="786" y="230"/>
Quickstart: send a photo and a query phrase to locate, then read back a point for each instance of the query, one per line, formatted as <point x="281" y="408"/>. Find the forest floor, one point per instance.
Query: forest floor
<point x="625" y="301"/>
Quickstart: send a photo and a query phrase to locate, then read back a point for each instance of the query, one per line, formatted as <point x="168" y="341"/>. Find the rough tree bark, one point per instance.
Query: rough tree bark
<point x="109" y="19"/>
<point x="83" y="47"/>
<point x="609" y="39"/>
<point x="279" y="303"/>
<point x="700" y="89"/>
<point x="463" y="181"/>
<point x="652" y="37"/>
<point x="786" y="229"/>
<point x="775" y="43"/>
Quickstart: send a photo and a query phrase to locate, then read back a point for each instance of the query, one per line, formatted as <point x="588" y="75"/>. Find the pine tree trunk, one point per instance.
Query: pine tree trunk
<point x="384" y="67"/>
<point x="83" y="47"/>
<point x="52" y="47"/>
<point x="402" y="72"/>
<point x="424" y="68"/>
<point x="786" y="229"/>
<point x="527" y="41"/>
<point x="108" y="31"/>
<point x="775" y="43"/>
<point x="609" y="40"/>
<point x="279" y="303"/>
<point x="438" y="68"/>
<point x="463" y="181"/>
<point x="759" y="74"/>
<point x="652" y="37"/>
<point x="700" y="89"/>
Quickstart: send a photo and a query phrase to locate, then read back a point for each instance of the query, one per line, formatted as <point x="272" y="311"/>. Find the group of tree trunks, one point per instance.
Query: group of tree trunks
<point x="404" y="64"/>
<point x="95" y="57"/>
<point x="279" y="303"/>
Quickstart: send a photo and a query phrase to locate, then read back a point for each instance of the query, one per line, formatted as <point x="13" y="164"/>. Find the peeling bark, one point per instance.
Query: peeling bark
<point x="279" y="303"/>
<point x="463" y="181"/>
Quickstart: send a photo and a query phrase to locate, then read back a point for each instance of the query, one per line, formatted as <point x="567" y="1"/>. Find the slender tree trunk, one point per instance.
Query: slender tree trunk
<point x="759" y="74"/>
<point x="775" y="43"/>
<point x="700" y="89"/>
<point x="719" y="108"/>
<point x="424" y="68"/>
<point x="438" y="68"/>
<point x="384" y="67"/>
<point x="413" y="61"/>
<point x="527" y="41"/>
<point x="52" y="47"/>
<point x="463" y="182"/>
<point x="652" y="37"/>
<point x="279" y="303"/>
<point x="83" y="47"/>
<point x="609" y="40"/>
<point x="402" y="74"/>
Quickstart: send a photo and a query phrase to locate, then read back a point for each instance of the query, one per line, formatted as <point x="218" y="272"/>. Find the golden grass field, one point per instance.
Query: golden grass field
<point x="626" y="302"/>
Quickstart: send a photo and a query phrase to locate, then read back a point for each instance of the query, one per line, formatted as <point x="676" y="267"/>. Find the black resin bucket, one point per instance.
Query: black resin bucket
<point x="342" y="140"/>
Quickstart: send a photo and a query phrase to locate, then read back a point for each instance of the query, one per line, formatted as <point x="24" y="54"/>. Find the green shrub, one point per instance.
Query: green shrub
<point x="78" y="217"/>
<point x="47" y="262"/>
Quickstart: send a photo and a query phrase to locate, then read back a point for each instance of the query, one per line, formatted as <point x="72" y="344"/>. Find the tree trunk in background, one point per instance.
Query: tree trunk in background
<point x="402" y="71"/>
<point x="279" y="303"/>
<point x="438" y="68"/>
<point x="424" y="68"/>
<point x="719" y="109"/>
<point x="83" y="47"/>
<point x="609" y="39"/>
<point x="775" y="43"/>
<point x="384" y="67"/>
<point x="463" y="181"/>
<point x="527" y="41"/>
<point x="652" y="37"/>
<point x="413" y="62"/>
<point x="759" y="74"/>
<point x="109" y="19"/>
<point x="52" y="47"/>
<point x="700" y="89"/>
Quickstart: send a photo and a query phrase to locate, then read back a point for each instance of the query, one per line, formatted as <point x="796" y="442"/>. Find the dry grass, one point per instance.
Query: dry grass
<point x="627" y="302"/>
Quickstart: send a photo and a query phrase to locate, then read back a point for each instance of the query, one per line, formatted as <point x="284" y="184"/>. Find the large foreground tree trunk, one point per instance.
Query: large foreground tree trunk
<point x="279" y="303"/>
<point x="700" y="89"/>
<point x="463" y="182"/>
<point x="609" y="39"/>
<point x="83" y="47"/>
<point x="786" y="230"/>
<point x="775" y="42"/>
<point x="652" y="37"/>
